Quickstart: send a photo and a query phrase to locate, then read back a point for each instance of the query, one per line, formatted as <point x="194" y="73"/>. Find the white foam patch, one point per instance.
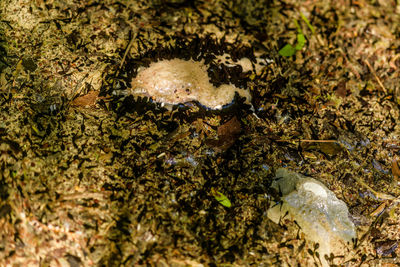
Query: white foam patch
<point x="245" y="63"/>
<point x="178" y="81"/>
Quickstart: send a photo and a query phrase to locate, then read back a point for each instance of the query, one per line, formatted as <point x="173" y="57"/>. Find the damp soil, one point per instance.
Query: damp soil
<point x="91" y="176"/>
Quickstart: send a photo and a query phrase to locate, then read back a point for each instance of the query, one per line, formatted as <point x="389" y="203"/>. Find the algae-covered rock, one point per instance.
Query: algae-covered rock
<point x="323" y="218"/>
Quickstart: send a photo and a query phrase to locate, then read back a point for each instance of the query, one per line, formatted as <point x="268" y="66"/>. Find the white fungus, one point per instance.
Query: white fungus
<point x="179" y="81"/>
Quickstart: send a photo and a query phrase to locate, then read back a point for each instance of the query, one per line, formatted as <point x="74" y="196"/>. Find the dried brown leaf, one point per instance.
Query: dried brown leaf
<point x="395" y="168"/>
<point x="86" y="100"/>
<point x="230" y="128"/>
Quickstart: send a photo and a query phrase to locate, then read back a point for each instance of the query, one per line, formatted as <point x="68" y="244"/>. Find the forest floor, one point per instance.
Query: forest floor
<point x="91" y="176"/>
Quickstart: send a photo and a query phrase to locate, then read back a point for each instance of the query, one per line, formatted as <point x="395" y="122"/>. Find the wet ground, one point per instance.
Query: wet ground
<point x="92" y="176"/>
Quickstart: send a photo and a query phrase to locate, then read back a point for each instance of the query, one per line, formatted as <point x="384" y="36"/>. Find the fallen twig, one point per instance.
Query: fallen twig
<point x="376" y="77"/>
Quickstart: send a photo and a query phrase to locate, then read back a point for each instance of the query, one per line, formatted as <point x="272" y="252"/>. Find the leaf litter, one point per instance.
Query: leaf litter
<point x="128" y="182"/>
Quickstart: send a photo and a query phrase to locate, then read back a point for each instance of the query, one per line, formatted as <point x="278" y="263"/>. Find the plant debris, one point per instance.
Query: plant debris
<point x="130" y="182"/>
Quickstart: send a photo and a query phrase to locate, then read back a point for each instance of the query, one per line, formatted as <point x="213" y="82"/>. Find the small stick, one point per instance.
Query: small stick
<point x="376" y="77"/>
<point x="307" y="141"/>
<point x="127" y="50"/>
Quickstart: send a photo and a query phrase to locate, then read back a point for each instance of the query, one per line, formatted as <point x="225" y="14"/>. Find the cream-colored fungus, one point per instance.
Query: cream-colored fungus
<point x="179" y="81"/>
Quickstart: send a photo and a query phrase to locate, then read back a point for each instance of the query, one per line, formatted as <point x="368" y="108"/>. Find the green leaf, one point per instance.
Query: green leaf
<point x="307" y="22"/>
<point x="297" y="26"/>
<point x="222" y="199"/>
<point x="287" y="51"/>
<point x="301" y="41"/>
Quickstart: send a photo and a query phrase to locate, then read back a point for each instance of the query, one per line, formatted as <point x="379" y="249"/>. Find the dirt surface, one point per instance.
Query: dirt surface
<point x="92" y="176"/>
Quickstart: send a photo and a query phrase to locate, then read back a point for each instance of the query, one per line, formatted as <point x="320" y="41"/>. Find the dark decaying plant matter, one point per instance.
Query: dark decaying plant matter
<point x="93" y="176"/>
